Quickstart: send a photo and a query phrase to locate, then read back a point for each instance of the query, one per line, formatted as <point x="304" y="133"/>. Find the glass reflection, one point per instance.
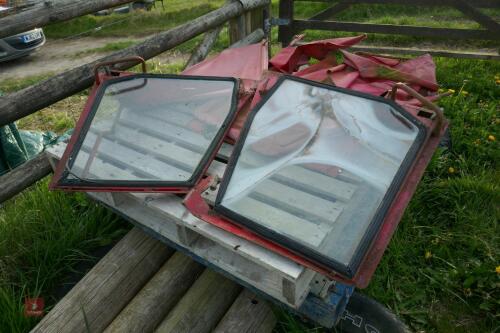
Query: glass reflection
<point x="316" y="164"/>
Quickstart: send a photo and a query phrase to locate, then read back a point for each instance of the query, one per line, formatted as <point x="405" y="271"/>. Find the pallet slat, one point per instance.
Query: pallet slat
<point x="164" y="216"/>
<point x="103" y="170"/>
<point x="165" y="130"/>
<point x="286" y="223"/>
<point x="137" y="161"/>
<point x="184" y="156"/>
<point x="303" y="204"/>
<point x="315" y="182"/>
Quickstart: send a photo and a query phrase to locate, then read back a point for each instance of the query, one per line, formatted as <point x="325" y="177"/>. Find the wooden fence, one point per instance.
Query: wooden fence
<point x="289" y="25"/>
<point x="24" y="102"/>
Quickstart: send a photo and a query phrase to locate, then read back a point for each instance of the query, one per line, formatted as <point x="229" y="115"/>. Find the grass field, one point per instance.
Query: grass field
<point x="441" y="272"/>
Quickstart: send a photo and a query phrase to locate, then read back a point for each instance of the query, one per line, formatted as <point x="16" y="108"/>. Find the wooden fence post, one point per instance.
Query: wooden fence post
<point x="285" y="32"/>
<point x="245" y="24"/>
<point x="28" y="100"/>
<point x="237" y="27"/>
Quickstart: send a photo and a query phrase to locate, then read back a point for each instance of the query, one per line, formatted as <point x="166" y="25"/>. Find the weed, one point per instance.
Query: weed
<point x="109" y="47"/>
<point x="439" y="273"/>
<point x="43" y="235"/>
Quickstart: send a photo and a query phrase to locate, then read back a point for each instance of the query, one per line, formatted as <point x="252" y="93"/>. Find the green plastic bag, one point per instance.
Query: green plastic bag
<point x="16" y="147"/>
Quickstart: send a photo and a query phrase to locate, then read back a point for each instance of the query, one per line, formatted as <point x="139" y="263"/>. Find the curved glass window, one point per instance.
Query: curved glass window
<point x="316" y="169"/>
<point x="152" y="131"/>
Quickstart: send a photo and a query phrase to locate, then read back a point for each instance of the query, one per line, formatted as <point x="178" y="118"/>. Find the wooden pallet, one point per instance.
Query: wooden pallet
<point x="305" y="196"/>
<point x="300" y="202"/>
<point x="164" y="216"/>
<point x="142" y="285"/>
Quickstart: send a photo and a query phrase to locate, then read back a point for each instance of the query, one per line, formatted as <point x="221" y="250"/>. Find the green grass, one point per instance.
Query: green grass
<point x="136" y="23"/>
<point x="58" y="117"/>
<point x="11" y="85"/>
<point x="44" y="235"/>
<point x="438" y="273"/>
<point x="453" y="218"/>
<point x="109" y="47"/>
<point x="396" y="14"/>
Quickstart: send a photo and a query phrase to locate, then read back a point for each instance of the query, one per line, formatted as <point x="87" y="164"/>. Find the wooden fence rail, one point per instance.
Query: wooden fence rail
<point x="26" y="101"/>
<point x="323" y="21"/>
<point x="51" y="12"/>
<point x="31" y="99"/>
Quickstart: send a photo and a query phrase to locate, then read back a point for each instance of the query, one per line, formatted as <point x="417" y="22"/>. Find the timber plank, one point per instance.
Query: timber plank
<point x="281" y="221"/>
<point x="331" y="11"/>
<point x="142" y="162"/>
<point x="108" y="287"/>
<point x="163" y="215"/>
<point x="396" y="29"/>
<point x="102" y="169"/>
<point x="248" y="314"/>
<point x="315" y="182"/>
<point x="464" y="54"/>
<point x="477" y="3"/>
<point x="23" y="176"/>
<point x="300" y="203"/>
<point x="203" y="306"/>
<point x="164" y="129"/>
<point x="158" y="296"/>
<point x="188" y="158"/>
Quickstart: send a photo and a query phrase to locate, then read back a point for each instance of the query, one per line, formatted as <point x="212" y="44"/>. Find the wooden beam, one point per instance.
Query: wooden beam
<point x="33" y="170"/>
<point x="477" y="16"/>
<point x="203" y="306"/>
<point x="210" y="38"/>
<point x="247" y="314"/>
<point x="93" y="303"/>
<point x="158" y="296"/>
<point x="26" y="101"/>
<point x="23" y="176"/>
<point x="237" y="27"/>
<point x="253" y="38"/>
<point x="330" y="12"/>
<point x="165" y="217"/>
<point x="255" y="20"/>
<point x="437" y="53"/>
<point x="204" y="47"/>
<point x="396" y="29"/>
<point x="51" y="12"/>
<point x="286" y="31"/>
<point x="476" y="3"/>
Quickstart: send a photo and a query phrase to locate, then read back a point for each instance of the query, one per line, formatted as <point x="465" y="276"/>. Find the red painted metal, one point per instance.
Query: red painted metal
<point x="367" y="73"/>
<point x="119" y="61"/>
<point x="363" y="72"/>
<point x="393" y="217"/>
<point x="246" y="63"/>
<point x="198" y="207"/>
<point x="289" y="59"/>
<point x="100" y="78"/>
<point x="195" y="203"/>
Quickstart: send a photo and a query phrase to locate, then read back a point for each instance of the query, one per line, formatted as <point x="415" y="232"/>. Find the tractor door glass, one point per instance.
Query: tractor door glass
<point x="150" y="130"/>
<point x="316" y="168"/>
